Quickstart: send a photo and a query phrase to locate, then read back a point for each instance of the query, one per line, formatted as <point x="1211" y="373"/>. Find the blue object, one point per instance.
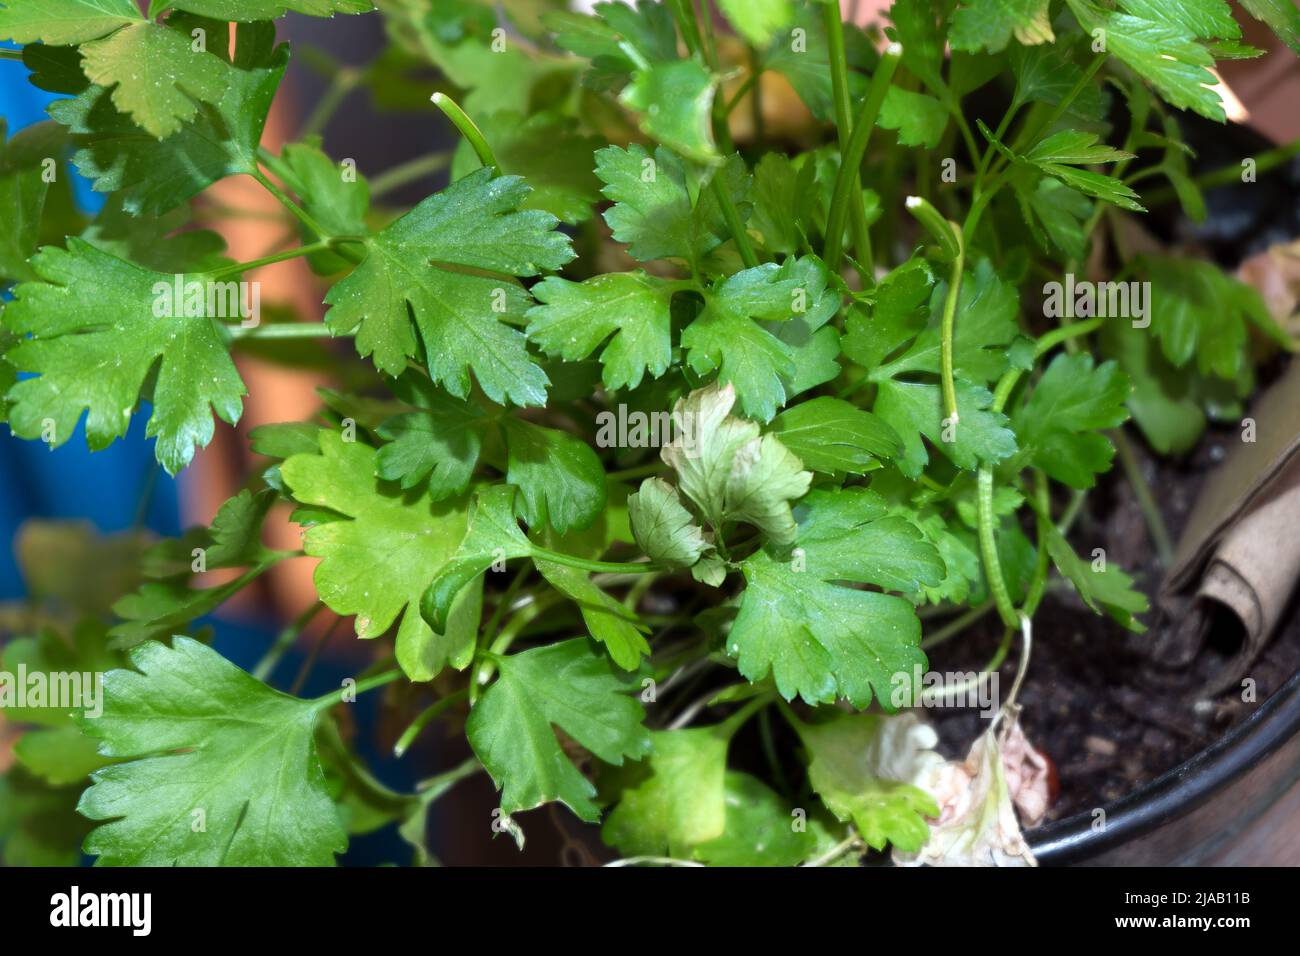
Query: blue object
<point x="123" y="486"/>
<point x="109" y="487"/>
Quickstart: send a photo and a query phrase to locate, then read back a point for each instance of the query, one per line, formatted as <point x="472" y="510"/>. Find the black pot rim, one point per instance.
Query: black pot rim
<point x="1180" y="790"/>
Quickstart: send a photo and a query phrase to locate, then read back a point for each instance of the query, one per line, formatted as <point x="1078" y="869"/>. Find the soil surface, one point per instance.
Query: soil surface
<point x="1100" y="701"/>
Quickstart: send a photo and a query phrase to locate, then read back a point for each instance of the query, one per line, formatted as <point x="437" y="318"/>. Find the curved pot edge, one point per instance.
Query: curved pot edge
<point x="1178" y="791"/>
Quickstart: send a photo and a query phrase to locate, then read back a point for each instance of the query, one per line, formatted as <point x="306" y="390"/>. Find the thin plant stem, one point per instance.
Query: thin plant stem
<point x="282" y="330"/>
<point x="362" y="686"/>
<point x="427" y="716"/>
<point x="298" y="212"/>
<point x="236" y="268"/>
<point x="732" y="215"/>
<point x="1145" y="499"/>
<point x="857" y="213"/>
<point x="451" y="109"/>
<point x="957" y="625"/>
<point x="848" y="188"/>
<point x="409" y="172"/>
<point x="343" y="82"/>
<point x="310" y="663"/>
<point x="284" y="640"/>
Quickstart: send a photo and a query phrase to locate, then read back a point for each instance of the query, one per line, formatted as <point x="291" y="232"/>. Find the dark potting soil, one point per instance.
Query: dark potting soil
<point x="1098" y="700"/>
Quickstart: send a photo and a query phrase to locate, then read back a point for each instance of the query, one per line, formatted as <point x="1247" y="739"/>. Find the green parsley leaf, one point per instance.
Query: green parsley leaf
<point x="335" y="197"/>
<point x="378" y="560"/>
<point x="194" y="730"/>
<point x="1167" y="57"/>
<point x="440" y="443"/>
<point x="675" y="101"/>
<point x="834" y="437"/>
<point x="1201" y="18"/>
<point x="492" y="537"/>
<point x="547" y="151"/>
<point x="607" y="620"/>
<point x="566" y="685"/>
<point x="155" y="75"/>
<point x="679" y="801"/>
<point x="920" y="119"/>
<point x="760" y="829"/>
<point x="23" y="191"/>
<point x="758" y="21"/>
<point x="630" y="309"/>
<point x="820" y="640"/>
<point x="1104" y="589"/>
<point x="1058" y="429"/>
<point x="62" y="22"/>
<point x="560" y="479"/>
<point x="475" y="223"/>
<point x="96" y="337"/>
<point x="990" y="24"/>
<point x="736" y="334"/>
<point x="861" y="765"/>
<point x="1197" y="310"/>
<point x="655" y="213"/>
<point x="153" y="176"/>
<point x="896" y="343"/>
<point x="1282" y="16"/>
<point x="249" y="10"/>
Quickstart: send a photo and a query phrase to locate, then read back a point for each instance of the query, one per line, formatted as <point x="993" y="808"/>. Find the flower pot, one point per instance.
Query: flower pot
<point x="1201" y="811"/>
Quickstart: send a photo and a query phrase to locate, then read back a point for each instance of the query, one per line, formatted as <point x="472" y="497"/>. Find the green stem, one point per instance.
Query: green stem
<point x="768" y="741"/>
<point x="11" y="55"/>
<point x="236" y="268"/>
<point x="950" y="239"/>
<point x="282" y="330"/>
<point x="1055" y="337"/>
<point x="943" y="232"/>
<point x="1007" y="117"/>
<point x="409" y="172"/>
<point x="705" y="26"/>
<point x="1032" y="131"/>
<point x="1145" y="499"/>
<point x="732" y="215"/>
<point x="839" y="67"/>
<point x="284" y="640"/>
<point x="343" y="82"/>
<point x="848" y="187"/>
<point x="451" y="109"/>
<point x="640" y="471"/>
<point x="738" y="719"/>
<point x="583" y="564"/>
<point x="362" y="686"/>
<point x="946" y="333"/>
<point x="989" y="549"/>
<point x="683" y="12"/>
<point x="749" y="84"/>
<point x="957" y="625"/>
<point x="1043" y="512"/>
<point x="427" y="716"/>
<point x="431" y="789"/>
<point x="487" y="665"/>
<point x="299" y="213"/>
<point x="1230" y="174"/>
